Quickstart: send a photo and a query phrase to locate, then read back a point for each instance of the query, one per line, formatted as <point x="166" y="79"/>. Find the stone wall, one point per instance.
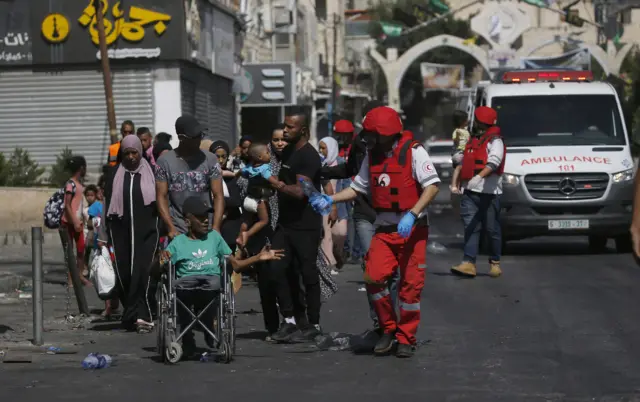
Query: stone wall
<point x="21" y="208"/>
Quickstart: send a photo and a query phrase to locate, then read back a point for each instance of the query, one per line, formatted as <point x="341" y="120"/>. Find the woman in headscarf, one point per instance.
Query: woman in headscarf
<point x="233" y="214"/>
<point x="132" y="224"/>
<point x="334" y="236"/>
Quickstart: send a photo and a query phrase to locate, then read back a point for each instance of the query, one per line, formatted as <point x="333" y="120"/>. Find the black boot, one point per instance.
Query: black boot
<point x="385" y="344"/>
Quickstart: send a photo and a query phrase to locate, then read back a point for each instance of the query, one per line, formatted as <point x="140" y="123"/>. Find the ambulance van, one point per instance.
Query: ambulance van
<point x="569" y="169"/>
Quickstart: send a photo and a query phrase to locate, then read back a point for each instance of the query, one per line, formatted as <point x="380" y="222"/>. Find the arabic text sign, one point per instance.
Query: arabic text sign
<point x="15" y="37"/>
<point x="136" y="29"/>
<point x="442" y="76"/>
<point x="132" y="29"/>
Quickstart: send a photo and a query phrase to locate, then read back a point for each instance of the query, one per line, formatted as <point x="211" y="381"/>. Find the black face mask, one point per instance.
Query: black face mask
<point x="370" y="139"/>
<point x="478" y="129"/>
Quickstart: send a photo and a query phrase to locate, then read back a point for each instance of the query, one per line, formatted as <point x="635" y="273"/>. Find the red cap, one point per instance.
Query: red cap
<point x="343" y="126"/>
<point x="486" y="115"/>
<point x="383" y="120"/>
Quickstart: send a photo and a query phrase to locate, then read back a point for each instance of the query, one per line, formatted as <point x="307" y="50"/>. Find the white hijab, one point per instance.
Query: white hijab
<point x="332" y="150"/>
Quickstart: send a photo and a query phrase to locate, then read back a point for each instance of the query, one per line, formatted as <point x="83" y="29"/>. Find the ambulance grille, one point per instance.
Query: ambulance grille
<point x="566" y="186"/>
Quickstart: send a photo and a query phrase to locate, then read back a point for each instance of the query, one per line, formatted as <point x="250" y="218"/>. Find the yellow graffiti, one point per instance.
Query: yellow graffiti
<point x="132" y="30"/>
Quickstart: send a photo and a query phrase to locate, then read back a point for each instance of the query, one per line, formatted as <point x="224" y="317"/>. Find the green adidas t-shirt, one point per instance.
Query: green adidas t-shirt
<point x="199" y="256"/>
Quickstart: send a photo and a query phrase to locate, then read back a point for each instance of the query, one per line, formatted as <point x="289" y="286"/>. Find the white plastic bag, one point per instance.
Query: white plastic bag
<point x="102" y="274"/>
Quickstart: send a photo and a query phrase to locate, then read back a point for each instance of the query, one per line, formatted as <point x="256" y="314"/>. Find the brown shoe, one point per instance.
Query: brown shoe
<point x="467" y="269"/>
<point x="495" y="270"/>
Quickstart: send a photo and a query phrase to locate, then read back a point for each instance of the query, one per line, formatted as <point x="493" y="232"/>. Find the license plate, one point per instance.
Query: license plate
<point x="568" y="224"/>
<point x="445" y="174"/>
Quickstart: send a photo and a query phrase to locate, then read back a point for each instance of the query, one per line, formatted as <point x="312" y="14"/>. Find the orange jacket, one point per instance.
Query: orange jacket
<point x="113" y="154"/>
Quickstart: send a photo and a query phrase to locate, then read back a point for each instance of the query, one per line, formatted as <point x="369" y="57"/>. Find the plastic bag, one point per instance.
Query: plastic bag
<point x="102" y="273"/>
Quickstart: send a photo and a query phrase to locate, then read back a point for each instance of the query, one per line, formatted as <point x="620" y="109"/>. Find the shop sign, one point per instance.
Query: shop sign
<point x="141" y="29"/>
<point x="269" y="84"/>
<point x="15" y="36"/>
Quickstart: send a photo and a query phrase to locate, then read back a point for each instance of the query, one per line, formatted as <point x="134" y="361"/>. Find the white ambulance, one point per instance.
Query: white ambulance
<point x="568" y="169"/>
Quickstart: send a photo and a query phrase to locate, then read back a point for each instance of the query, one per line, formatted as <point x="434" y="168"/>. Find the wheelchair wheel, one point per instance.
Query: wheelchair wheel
<point x="173" y="353"/>
<point x="224" y="354"/>
<point x="162" y="322"/>
<point x="232" y="322"/>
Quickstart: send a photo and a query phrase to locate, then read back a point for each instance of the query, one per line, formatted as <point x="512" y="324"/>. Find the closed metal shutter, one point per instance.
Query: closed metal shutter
<point x="209" y="99"/>
<point x="188" y="97"/>
<point x="44" y="112"/>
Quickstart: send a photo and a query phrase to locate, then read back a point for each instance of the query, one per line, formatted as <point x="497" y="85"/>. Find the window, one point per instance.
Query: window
<point x="440" y="150"/>
<point x="626" y="16"/>
<point x="557" y="120"/>
<point x="356" y="28"/>
<point x="282" y="39"/>
<point x="321" y="9"/>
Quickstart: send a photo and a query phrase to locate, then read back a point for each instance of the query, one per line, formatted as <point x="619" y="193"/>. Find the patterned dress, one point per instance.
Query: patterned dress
<point x="328" y="286"/>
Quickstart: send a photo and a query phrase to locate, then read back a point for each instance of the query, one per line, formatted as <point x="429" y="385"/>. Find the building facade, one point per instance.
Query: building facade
<point x="167" y="58"/>
<point x="281" y="52"/>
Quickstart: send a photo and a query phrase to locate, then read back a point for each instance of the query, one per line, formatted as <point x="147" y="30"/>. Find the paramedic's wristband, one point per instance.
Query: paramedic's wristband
<point x="414" y="215"/>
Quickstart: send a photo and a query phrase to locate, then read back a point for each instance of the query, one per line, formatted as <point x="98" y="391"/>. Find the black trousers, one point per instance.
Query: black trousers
<point x="268" y="298"/>
<point x="133" y="279"/>
<point x="299" y="264"/>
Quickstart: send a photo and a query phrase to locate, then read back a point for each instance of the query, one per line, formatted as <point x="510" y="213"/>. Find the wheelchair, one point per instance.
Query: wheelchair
<point x="169" y="336"/>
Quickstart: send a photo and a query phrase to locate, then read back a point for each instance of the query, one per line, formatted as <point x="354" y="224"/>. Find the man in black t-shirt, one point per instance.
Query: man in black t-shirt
<point x="299" y="233"/>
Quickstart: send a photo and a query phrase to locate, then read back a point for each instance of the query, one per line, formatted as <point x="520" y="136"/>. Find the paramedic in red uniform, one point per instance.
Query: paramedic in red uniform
<point x="402" y="181"/>
<point x="481" y="177"/>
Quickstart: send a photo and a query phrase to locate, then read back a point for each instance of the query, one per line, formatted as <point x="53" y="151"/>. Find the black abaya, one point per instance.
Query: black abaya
<point x="135" y="238"/>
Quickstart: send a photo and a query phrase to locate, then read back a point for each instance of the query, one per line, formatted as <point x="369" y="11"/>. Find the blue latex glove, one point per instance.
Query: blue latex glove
<point x="321" y="204"/>
<point x="406" y="224"/>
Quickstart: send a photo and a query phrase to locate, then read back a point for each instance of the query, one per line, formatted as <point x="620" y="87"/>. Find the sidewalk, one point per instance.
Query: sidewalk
<point x="16" y="265"/>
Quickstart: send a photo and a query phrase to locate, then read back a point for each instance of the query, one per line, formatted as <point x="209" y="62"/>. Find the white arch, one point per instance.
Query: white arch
<point x="428" y="44"/>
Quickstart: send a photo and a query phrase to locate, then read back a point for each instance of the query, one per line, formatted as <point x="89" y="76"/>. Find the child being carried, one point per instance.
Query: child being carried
<point x="261" y="180"/>
<point x="460" y="138"/>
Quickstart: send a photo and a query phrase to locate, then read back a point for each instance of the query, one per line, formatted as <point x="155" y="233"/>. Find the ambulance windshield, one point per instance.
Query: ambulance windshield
<point x="559" y="120"/>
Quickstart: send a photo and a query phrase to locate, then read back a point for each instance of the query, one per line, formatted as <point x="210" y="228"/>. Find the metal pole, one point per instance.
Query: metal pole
<point x="78" y="289"/>
<point x="334" y="84"/>
<point x="106" y="73"/>
<point x="36" y="261"/>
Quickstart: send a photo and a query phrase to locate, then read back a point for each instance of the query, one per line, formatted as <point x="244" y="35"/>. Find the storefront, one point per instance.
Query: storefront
<point x="51" y="84"/>
<point x="268" y="89"/>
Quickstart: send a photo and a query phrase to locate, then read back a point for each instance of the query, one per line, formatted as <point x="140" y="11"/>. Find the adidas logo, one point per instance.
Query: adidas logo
<point x="199" y="253"/>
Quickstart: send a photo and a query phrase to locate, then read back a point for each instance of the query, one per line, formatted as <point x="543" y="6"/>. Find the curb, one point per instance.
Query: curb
<point x="68" y="348"/>
<point x="9" y="283"/>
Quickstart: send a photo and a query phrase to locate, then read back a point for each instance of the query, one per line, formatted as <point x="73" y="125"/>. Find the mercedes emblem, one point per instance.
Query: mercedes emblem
<point x="567" y="186"/>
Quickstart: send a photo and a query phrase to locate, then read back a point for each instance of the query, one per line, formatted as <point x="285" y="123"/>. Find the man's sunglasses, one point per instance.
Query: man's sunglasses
<point x="126" y="131"/>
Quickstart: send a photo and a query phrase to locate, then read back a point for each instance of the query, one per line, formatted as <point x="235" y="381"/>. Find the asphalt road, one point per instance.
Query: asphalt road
<point x="560" y="325"/>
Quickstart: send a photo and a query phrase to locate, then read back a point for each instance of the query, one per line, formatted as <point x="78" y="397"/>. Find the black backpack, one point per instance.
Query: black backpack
<point x="54" y="208"/>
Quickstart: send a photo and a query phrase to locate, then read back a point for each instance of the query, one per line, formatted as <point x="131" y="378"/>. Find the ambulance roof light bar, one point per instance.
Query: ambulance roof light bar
<point x="518" y="77"/>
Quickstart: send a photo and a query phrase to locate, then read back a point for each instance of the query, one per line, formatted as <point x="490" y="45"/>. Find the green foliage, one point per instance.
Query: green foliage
<point x="59" y="173"/>
<point x="445" y="55"/>
<point x="4" y="170"/>
<point x="20" y="170"/>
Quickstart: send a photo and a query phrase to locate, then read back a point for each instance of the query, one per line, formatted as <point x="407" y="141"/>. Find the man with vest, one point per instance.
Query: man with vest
<point x="481" y="177"/>
<point x="127" y="128"/>
<point x="402" y="181"/>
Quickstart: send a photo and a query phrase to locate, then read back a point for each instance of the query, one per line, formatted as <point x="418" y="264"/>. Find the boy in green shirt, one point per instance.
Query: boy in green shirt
<point x="197" y="258"/>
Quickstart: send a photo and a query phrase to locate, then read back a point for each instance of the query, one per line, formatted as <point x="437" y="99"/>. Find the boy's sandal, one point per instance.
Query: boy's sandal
<point x="143" y="327"/>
